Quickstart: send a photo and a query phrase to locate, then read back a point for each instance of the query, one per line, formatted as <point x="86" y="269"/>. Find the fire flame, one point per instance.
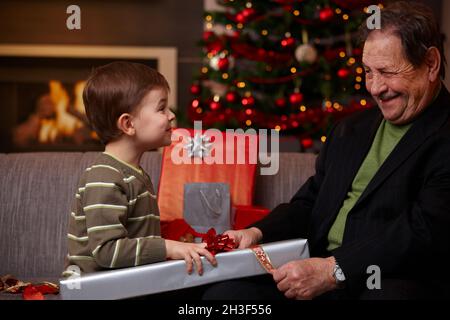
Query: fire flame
<point x="64" y="124"/>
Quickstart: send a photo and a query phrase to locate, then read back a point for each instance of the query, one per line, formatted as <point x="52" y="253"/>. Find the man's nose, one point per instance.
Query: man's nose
<point x="376" y="85"/>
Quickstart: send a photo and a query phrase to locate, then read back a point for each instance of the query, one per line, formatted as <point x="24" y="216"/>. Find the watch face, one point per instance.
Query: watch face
<point x="339" y="274"/>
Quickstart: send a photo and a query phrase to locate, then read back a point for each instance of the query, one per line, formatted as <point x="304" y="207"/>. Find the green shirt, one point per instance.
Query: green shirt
<point x="386" y="138"/>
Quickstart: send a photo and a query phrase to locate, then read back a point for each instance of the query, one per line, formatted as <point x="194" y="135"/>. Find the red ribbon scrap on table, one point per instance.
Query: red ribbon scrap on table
<point x="9" y="284"/>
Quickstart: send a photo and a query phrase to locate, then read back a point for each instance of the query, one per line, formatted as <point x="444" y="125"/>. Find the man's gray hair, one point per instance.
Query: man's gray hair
<point x="415" y="24"/>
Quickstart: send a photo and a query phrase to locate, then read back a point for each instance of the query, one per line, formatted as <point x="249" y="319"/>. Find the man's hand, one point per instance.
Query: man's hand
<point x="306" y="279"/>
<point x="246" y="237"/>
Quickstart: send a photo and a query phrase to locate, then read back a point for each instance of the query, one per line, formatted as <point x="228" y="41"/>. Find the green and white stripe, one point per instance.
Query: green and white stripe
<point x="105" y="227"/>
<point x="148" y="216"/>
<point x="116" y="254"/>
<point x="102" y="166"/>
<point x="77" y="217"/>
<point x="105" y="206"/>
<point x="129" y="179"/>
<point x="75" y="238"/>
<point x="138" y="251"/>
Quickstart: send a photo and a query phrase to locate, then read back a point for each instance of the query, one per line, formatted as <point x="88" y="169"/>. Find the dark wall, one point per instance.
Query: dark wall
<point x="114" y="22"/>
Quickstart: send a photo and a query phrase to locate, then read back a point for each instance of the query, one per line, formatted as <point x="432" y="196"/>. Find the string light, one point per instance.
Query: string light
<point x="248" y="111"/>
<point x="195" y="103"/>
<point x="323" y="139"/>
<point x="338" y="11"/>
<point x="363" y="102"/>
<point x="208" y="18"/>
<point x="302" y="108"/>
<point x="342" y="54"/>
<point x="199" y="110"/>
<point x="248" y="123"/>
<point x="293" y="70"/>
<point x="209" y="25"/>
<point x="345" y="16"/>
<point x="358" y="79"/>
<point x="228" y="27"/>
<point x="241" y="84"/>
<point x="248" y="4"/>
<point x="277" y="128"/>
<point x="359" y="70"/>
<point x="328" y="104"/>
<point x="357" y="86"/>
<point x="296" y="13"/>
<point x="204" y="69"/>
<point x="264" y="32"/>
<point x="239" y="25"/>
<point x="225" y="76"/>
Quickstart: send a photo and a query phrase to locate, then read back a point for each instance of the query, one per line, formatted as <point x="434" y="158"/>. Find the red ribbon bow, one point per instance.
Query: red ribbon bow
<point x="216" y="243"/>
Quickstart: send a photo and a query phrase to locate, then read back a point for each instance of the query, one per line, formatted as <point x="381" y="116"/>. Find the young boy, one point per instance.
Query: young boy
<point x="114" y="221"/>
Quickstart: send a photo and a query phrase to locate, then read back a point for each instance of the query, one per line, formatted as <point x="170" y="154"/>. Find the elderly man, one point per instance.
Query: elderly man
<point x="380" y="197"/>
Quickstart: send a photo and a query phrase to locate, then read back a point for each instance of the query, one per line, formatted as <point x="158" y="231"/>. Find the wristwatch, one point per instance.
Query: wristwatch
<point x="339" y="276"/>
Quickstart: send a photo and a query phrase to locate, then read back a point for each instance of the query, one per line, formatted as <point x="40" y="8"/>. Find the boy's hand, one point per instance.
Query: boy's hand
<point x="190" y="252"/>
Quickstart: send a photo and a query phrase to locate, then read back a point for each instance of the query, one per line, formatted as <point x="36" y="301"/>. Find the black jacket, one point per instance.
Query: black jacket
<point x="401" y="222"/>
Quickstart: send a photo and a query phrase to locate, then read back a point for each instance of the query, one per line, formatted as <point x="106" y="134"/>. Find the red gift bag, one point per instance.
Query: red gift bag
<point x="187" y="160"/>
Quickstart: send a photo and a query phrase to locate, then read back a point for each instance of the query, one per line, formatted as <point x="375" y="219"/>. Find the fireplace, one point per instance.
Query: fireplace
<point x="41" y="93"/>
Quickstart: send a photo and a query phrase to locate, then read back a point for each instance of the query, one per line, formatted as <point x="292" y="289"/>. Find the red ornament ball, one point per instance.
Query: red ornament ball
<point x="326" y="14"/>
<point x="306" y="143"/>
<point x="223" y="64"/>
<point x="240" y="18"/>
<point x="287" y="42"/>
<point x="207" y="35"/>
<point x="195" y="103"/>
<point x="248" y="12"/>
<point x="296" y="98"/>
<point x="343" y="73"/>
<point x="231" y="97"/>
<point x="214" y="105"/>
<point x="280" y="102"/>
<point x="248" y="101"/>
<point x="195" y="89"/>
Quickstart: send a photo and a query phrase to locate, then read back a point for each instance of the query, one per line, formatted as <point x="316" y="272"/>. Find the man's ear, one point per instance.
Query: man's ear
<point x="433" y="61"/>
<point x="125" y="124"/>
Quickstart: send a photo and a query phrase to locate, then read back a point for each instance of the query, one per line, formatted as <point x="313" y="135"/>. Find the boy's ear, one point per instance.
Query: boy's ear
<point x="125" y="124"/>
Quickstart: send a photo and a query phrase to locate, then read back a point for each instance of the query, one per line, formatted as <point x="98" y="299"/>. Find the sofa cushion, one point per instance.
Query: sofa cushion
<point x="295" y="169"/>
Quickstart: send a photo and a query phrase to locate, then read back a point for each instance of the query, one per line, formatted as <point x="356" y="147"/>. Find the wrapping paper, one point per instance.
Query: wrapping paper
<point x="171" y="275"/>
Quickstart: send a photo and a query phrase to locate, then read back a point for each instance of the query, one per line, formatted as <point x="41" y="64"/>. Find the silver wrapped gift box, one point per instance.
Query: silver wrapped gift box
<point x="172" y="275"/>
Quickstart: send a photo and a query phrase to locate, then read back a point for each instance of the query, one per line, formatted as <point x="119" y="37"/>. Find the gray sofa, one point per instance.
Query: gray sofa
<point x="36" y="194"/>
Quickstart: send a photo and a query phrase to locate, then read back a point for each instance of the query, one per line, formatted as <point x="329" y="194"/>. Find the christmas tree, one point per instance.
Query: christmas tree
<point x="288" y="65"/>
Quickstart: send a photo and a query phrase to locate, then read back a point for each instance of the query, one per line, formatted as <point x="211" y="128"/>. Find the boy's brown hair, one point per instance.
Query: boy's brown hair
<point x="114" y="89"/>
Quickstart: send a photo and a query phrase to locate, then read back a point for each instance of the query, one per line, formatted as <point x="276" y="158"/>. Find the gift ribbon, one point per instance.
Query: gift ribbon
<point x="216" y="243"/>
<point x="263" y="258"/>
